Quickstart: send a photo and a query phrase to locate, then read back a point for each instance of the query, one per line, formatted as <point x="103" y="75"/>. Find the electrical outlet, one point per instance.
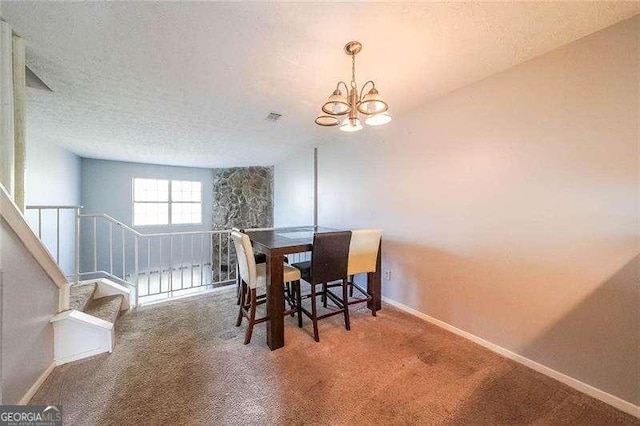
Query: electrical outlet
<point x="387" y="275"/>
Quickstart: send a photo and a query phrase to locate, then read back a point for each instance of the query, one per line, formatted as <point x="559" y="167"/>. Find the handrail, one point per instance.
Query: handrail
<point x="36" y="207"/>
<point x="170" y="234"/>
<point x="115" y="221"/>
<point x="17" y="222"/>
<point x="157" y="234"/>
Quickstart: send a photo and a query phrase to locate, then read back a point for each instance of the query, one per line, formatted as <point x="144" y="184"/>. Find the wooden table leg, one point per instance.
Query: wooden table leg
<point x="275" y="302"/>
<point x="374" y="284"/>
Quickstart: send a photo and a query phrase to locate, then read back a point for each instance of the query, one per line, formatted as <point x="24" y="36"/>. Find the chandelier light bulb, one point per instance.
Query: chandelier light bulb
<point x="337" y="104"/>
<point x="351" y="125"/>
<point x="375" y="106"/>
<point x="372" y="103"/>
<point x="378" y="119"/>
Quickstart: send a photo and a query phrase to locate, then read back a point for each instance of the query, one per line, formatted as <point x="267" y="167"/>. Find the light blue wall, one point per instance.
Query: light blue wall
<point x="52" y="174"/>
<point x="53" y="178"/>
<point x="107" y="187"/>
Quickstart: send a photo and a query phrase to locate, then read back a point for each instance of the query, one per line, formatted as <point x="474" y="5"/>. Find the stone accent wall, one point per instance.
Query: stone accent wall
<point x="242" y="198"/>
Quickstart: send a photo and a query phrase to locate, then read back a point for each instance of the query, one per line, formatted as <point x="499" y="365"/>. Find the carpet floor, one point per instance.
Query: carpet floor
<point x="183" y="362"/>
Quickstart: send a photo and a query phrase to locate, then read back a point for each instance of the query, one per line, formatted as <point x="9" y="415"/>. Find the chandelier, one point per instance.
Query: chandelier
<point x="338" y="105"/>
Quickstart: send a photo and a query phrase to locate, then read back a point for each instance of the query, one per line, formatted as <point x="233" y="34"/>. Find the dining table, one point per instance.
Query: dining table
<point x="276" y="243"/>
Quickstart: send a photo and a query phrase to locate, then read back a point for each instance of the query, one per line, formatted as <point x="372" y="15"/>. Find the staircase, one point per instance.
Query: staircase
<point x="119" y="266"/>
<point x="88" y="327"/>
<point x="106" y="308"/>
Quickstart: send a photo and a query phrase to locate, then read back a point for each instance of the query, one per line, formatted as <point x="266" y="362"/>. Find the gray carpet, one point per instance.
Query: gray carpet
<point x="183" y="362"/>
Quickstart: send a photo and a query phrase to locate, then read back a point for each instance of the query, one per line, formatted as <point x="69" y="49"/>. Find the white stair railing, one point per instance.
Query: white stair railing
<point x="62" y="213"/>
<point x="174" y="263"/>
<point x="155" y="265"/>
<point x="91" y="245"/>
<point x="14" y="218"/>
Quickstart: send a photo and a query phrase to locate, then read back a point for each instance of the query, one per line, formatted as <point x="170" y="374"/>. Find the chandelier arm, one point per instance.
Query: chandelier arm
<point x="365" y="85"/>
<point x="345" y="86"/>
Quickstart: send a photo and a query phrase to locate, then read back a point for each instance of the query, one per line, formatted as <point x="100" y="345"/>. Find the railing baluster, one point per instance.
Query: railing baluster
<point x="170" y="264"/>
<point x="160" y="265"/>
<point x="219" y="257"/>
<point x="191" y="261"/>
<point x="228" y="256"/>
<point x="77" y="245"/>
<point x="135" y="268"/>
<point x="95" y="244"/>
<point x="181" y="262"/>
<point x="210" y="256"/>
<point x="58" y="236"/>
<point x="202" y="259"/>
<point x="111" y="248"/>
<point x="124" y="257"/>
<point x="40" y="223"/>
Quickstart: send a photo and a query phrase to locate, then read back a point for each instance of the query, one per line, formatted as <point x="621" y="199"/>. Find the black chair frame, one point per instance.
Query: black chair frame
<point x="329" y="259"/>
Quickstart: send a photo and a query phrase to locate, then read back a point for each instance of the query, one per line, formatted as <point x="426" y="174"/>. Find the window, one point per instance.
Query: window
<point x="160" y="202"/>
<point x="186" y="202"/>
<point x="150" y="202"/>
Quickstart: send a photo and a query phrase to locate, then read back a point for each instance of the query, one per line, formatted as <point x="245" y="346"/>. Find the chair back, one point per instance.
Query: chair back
<point x="363" y="251"/>
<point x="330" y="256"/>
<point x="246" y="261"/>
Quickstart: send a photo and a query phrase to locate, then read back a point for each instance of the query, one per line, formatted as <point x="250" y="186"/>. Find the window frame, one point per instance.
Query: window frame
<point x="169" y="203"/>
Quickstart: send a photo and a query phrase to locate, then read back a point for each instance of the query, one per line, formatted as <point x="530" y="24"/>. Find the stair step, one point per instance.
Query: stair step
<point x="106" y="308"/>
<point x="80" y="296"/>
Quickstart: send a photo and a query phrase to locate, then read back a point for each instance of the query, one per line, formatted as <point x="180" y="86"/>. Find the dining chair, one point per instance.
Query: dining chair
<point x="253" y="276"/>
<point x="329" y="261"/>
<point x="259" y="258"/>
<point x="363" y="259"/>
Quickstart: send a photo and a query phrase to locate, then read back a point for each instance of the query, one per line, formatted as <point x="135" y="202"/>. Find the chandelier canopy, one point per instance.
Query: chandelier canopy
<point x="353" y="102"/>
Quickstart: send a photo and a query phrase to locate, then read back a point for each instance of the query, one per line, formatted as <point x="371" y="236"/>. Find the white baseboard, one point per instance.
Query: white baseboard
<point x="34" y="388"/>
<point x="223" y="289"/>
<point x="603" y="396"/>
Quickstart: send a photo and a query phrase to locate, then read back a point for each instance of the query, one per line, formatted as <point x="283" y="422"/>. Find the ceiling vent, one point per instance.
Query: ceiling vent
<point x="273" y="116"/>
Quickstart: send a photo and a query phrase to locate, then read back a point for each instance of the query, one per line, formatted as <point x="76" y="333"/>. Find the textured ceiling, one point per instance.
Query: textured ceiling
<point x="191" y="83"/>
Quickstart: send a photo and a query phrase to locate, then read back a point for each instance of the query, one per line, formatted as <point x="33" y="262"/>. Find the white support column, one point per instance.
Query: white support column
<point x="315" y="186"/>
<point x="19" y="101"/>
<point x="7" y="157"/>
